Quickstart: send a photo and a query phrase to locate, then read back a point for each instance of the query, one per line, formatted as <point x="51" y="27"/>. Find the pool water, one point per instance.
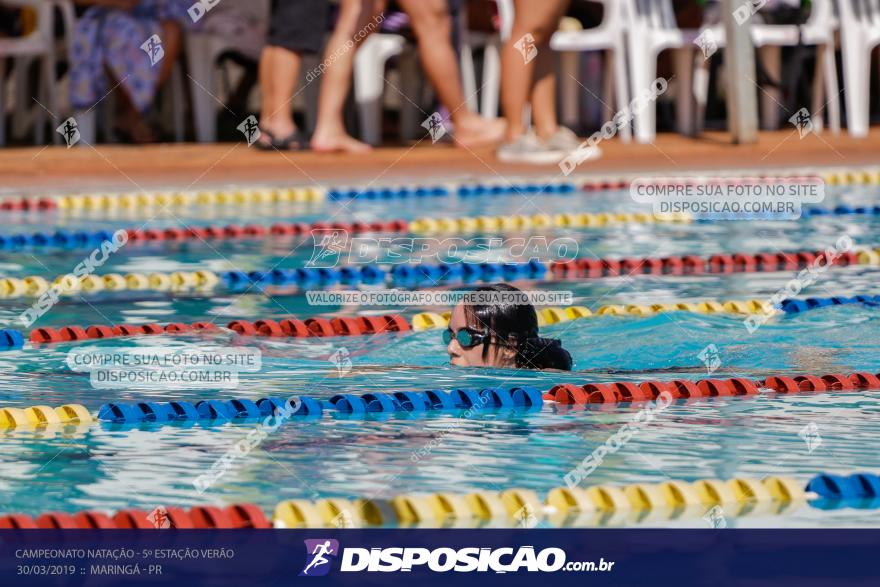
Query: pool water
<point x="110" y="468"/>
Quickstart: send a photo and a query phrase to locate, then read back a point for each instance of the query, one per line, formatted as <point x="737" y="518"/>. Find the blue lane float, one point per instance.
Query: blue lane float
<point x="11" y="339"/>
<point x="842" y="210"/>
<point x="521" y="398"/>
<point x="388" y="193"/>
<point x="853" y="487"/>
<point x="794" y="306"/>
<point x="397" y="276"/>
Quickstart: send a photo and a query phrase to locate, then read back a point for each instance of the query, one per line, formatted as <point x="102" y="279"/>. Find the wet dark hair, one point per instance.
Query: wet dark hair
<point x="515" y="324"/>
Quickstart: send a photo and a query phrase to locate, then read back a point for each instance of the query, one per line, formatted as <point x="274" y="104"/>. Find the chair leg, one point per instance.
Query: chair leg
<point x="832" y="91"/>
<point x="201" y="69"/>
<point x="411" y="86"/>
<point x="856" y="72"/>
<point x="369" y="82"/>
<point x="177" y="106"/>
<point x="771" y="57"/>
<point x="621" y="87"/>
<point x="569" y="88"/>
<point x="701" y="93"/>
<point x="24" y="112"/>
<point x="684" y="105"/>
<point x="86" y="123"/>
<point x="643" y="72"/>
<point x="491" y="78"/>
<point x="817" y="91"/>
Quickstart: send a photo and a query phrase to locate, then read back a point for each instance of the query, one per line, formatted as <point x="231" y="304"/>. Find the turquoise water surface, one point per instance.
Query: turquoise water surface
<point x="110" y="468"/>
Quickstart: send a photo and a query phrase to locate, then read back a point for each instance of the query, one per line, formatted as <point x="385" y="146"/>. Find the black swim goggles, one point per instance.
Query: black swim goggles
<point x="467" y="337"/>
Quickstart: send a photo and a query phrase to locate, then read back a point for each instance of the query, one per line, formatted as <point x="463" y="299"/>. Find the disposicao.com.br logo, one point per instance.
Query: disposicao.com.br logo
<point x="442" y="560"/>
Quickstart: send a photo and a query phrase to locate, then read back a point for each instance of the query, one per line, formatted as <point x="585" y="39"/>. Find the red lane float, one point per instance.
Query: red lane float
<point x="77" y="333"/>
<point x="234" y="516"/>
<point x="234" y="231"/>
<point x="623" y="392"/>
<point x="694" y="264"/>
<point x="321" y="327"/>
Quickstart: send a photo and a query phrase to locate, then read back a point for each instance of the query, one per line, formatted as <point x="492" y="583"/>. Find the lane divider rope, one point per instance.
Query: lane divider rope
<point x="562" y="506"/>
<point x="369" y="325"/>
<point x="240" y="196"/>
<point x="200" y="517"/>
<point x="520" y="398"/>
<point x="795" y="306"/>
<point x="429" y="225"/>
<point x="426" y="275"/>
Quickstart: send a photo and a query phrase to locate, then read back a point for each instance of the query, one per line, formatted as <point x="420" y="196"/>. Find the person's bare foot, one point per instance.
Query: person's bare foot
<point x="476" y="131"/>
<point x="338" y="142"/>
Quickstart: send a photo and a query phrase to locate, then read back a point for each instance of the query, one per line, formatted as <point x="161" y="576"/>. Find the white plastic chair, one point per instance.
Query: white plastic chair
<point x="769" y="39"/>
<point x="859" y="35"/>
<point x="369" y="81"/>
<point x="651" y="29"/>
<point x="39" y="44"/>
<point x="608" y="37"/>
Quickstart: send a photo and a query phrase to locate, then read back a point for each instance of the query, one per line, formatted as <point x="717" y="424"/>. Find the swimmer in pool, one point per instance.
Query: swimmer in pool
<point x="501" y="334"/>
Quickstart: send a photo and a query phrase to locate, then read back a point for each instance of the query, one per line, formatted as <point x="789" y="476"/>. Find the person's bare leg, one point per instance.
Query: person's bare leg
<point x="356" y="21"/>
<point x="539" y="20"/>
<point x="432" y="25"/>
<point x="128" y="119"/>
<point x="279" y="74"/>
<point x="543" y="98"/>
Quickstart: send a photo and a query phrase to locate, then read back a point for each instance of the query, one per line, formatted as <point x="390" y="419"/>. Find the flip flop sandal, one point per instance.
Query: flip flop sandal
<point x="292" y="142"/>
<point x="265" y="146"/>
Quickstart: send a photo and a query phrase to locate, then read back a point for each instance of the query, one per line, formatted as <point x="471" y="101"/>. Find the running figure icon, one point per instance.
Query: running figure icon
<point x="319" y="551"/>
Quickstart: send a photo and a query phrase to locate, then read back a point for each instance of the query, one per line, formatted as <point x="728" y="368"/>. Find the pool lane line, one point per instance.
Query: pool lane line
<point x="68" y="239"/>
<point x="249" y="195"/>
<point x="362" y="325"/>
<point x="467" y="401"/>
<point x="572" y="506"/>
<point x="427" y="275"/>
<point x="376" y="324"/>
<point x="424" y="226"/>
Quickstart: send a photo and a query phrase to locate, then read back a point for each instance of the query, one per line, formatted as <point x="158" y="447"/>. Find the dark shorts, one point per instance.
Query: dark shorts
<point x="298" y="25"/>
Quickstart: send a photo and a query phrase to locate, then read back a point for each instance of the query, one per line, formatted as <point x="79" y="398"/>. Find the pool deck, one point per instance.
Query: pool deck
<point x="180" y="166"/>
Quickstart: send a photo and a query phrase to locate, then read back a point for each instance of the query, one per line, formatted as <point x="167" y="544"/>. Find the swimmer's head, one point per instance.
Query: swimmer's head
<point x="501" y="334"/>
